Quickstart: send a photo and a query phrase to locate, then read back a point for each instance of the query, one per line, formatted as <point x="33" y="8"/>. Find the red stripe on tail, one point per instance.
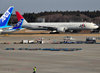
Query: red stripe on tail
<point x="19" y="16"/>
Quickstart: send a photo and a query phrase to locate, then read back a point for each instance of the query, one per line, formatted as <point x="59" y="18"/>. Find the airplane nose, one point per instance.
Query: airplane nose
<point x="96" y="27"/>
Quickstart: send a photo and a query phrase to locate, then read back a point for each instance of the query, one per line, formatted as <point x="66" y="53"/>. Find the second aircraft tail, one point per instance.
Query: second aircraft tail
<point x="19" y="16"/>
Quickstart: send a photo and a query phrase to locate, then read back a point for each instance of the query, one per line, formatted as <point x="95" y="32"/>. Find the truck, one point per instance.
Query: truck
<point x="90" y="40"/>
<point x="24" y="42"/>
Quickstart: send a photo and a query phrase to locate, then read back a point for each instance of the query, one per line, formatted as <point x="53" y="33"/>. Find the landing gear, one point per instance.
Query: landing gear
<point x="73" y="31"/>
<point x="54" y="32"/>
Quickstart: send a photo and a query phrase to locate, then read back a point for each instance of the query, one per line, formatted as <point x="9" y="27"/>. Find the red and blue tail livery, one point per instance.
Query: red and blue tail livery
<point x="18" y="25"/>
<point x="5" y="17"/>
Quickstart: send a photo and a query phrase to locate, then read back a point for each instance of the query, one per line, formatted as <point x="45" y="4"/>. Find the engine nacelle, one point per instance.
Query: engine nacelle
<point x="61" y="29"/>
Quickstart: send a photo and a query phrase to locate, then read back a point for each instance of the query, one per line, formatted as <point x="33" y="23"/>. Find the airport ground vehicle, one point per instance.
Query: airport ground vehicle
<point x="90" y="40"/>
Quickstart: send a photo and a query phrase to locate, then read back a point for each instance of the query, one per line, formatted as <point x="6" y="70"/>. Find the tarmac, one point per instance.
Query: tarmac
<point x="22" y="61"/>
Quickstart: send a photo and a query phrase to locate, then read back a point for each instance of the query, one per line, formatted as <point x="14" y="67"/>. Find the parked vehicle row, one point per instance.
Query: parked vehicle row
<point x="47" y="49"/>
<point x="66" y="40"/>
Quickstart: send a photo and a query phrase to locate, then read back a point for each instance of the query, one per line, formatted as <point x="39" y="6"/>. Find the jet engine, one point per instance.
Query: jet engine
<point x="61" y="29"/>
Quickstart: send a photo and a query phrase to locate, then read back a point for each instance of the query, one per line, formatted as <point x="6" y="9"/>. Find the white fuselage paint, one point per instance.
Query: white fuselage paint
<point x="66" y="26"/>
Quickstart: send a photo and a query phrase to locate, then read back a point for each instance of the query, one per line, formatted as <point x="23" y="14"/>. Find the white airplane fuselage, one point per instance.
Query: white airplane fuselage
<point x="62" y="26"/>
<point x="58" y="26"/>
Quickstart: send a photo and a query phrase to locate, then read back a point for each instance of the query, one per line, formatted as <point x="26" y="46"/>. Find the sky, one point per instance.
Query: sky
<point x="36" y="6"/>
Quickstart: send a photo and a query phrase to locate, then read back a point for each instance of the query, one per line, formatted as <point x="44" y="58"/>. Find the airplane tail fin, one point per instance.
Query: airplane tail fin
<point x="19" y="24"/>
<point x="5" y="17"/>
<point x="19" y="16"/>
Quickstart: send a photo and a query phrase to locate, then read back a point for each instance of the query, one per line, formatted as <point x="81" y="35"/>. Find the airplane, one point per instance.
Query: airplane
<point x="57" y="26"/>
<point x="17" y="27"/>
<point x="5" y="18"/>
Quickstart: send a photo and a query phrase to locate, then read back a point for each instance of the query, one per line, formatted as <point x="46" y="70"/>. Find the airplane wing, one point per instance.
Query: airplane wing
<point x="49" y="28"/>
<point x="53" y="28"/>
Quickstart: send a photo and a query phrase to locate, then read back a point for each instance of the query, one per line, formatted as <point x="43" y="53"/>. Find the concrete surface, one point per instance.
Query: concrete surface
<point x="16" y="61"/>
